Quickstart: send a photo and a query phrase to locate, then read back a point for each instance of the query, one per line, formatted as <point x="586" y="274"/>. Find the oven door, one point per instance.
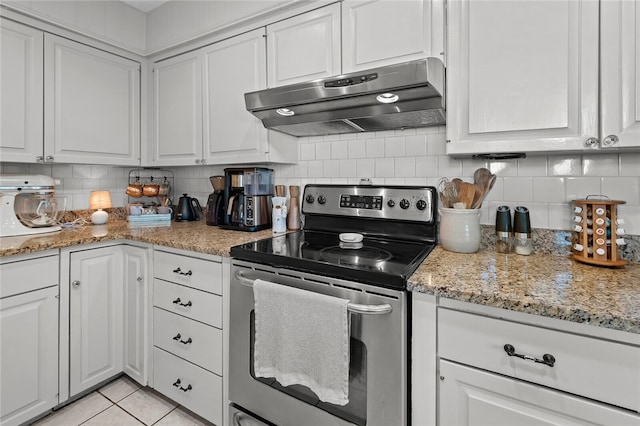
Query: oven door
<point x="378" y="354"/>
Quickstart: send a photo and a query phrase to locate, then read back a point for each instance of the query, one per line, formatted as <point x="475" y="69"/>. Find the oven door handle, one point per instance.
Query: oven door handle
<point x="354" y="308"/>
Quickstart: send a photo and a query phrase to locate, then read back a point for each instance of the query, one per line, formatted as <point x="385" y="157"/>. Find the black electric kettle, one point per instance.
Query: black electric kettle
<point x="188" y="209"/>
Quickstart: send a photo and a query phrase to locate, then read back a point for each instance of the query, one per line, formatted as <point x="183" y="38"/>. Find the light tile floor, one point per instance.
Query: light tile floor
<point x="122" y="402"/>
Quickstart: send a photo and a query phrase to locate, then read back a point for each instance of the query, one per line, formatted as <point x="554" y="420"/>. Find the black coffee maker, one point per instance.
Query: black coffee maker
<point x="214" y="212"/>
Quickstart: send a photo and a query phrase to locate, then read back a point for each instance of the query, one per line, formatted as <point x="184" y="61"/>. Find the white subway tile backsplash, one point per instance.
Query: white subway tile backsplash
<point x="631" y="216"/>
<point x="548" y="189"/>
<point x="314" y="169"/>
<point x="629" y="164"/>
<point x="518" y="189"/>
<point x="405" y="167"/>
<point x="449" y="167"/>
<point x="538" y="214"/>
<point x="415" y="145"/>
<point x="503" y="168"/>
<point x="394" y="147"/>
<point x="366" y="167"/>
<point x="339" y="150"/>
<point x="600" y="165"/>
<point x="559" y="216"/>
<point x="348" y="168"/>
<point x="307" y="152"/>
<point x="323" y="151"/>
<point x="375" y="148"/>
<point x="581" y="187"/>
<point x="532" y="166"/>
<point x="564" y="166"/>
<point x="436" y="144"/>
<point x="427" y="166"/>
<point x="357" y="148"/>
<point x="622" y="188"/>
<point x="384" y="168"/>
<point x="469" y="166"/>
<point x="331" y="168"/>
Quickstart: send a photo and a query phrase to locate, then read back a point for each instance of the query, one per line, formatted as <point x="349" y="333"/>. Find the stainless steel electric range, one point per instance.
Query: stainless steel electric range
<point x="361" y="243"/>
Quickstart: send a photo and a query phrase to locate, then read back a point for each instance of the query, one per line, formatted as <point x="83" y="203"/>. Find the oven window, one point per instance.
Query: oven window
<point x="356" y="410"/>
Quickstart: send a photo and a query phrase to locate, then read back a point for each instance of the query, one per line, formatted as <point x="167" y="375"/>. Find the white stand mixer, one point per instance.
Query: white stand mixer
<point x="28" y="205"/>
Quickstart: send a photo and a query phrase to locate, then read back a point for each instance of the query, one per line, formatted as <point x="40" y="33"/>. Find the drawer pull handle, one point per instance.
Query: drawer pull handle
<point x="178" y="338"/>
<point x="547" y="359"/>
<point x="177" y="384"/>
<point x="179" y="271"/>
<point x="179" y="302"/>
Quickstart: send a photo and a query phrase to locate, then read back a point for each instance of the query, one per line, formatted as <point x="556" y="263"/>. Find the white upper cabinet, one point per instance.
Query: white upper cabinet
<point x="177" y="107"/>
<point x="200" y="115"/>
<point x="92" y="105"/>
<point x="231" y="68"/>
<point x="383" y="32"/>
<point x="21" y="55"/>
<point x="521" y="76"/>
<point x="305" y="47"/>
<point x="620" y="73"/>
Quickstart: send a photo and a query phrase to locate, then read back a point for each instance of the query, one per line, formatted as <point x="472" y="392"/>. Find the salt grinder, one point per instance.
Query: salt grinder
<point x="522" y="231"/>
<point x="503" y="229"/>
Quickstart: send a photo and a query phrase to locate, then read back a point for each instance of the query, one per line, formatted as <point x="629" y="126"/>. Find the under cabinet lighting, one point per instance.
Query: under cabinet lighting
<point x="285" y="111"/>
<point x="387" y="98"/>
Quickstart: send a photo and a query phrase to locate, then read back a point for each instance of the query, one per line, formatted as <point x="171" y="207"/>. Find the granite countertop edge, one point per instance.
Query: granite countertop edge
<point x="546" y="284"/>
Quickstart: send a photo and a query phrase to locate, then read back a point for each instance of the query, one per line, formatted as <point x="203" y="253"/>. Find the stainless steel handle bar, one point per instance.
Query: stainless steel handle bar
<point x="355" y="308"/>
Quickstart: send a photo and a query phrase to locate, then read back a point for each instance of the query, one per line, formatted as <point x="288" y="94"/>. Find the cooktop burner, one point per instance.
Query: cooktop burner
<point x="382" y="262"/>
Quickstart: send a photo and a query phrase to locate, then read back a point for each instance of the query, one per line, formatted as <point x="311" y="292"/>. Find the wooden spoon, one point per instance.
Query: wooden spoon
<point x="467" y="194"/>
<point x="478" y="196"/>
<point x="481" y="177"/>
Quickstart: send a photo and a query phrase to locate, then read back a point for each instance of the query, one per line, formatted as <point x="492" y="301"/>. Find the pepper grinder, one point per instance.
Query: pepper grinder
<point x="503" y="230"/>
<point x="522" y="231"/>
<point x="293" y="216"/>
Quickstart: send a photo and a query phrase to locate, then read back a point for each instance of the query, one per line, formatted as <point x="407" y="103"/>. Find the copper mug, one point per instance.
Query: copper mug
<point x="134" y="190"/>
<point x="150" y="190"/>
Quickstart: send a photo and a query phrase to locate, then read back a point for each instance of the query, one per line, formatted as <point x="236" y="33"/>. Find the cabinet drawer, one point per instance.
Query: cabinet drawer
<point x="189" y="302"/>
<point x="28" y="275"/>
<point x="598" y="369"/>
<point x="204" y="348"/>
<point x="205" y="395"/>
<point x="197" y="273"/>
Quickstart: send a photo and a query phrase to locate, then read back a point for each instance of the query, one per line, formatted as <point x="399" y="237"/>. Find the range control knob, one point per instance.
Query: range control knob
<point x="322" y="199"/>
<point x="404" y="204"/>
<point x="309" y="199"/>
<point x="421" y="204"/>
<point x="391" y="203"/>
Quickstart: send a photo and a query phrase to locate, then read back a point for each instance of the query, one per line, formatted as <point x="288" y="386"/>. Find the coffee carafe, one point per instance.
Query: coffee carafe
<point x="215" y="212"/>
<point x="248" y="193"/>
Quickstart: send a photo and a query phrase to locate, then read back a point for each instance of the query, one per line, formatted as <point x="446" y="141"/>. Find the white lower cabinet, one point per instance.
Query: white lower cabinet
<point x="188" y="331"/>
<point x="28" y="337"/>
<point x="136" y="305"/>
<point x="501" y="371"/>
<point x="95" y="317"/>
<point x="470" y="396"/>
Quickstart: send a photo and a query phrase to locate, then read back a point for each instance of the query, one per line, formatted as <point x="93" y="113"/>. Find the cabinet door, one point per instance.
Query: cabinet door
<point x="232" y="68"/>
<point x="92" y="105"/>
<point x="305" y="47"/>
<point x="620" y="73"/>
<point x="475" y="397"/>
<point x="521" y="76"/>
<point x="177" y="111"/>
<point x="136" y="313"/>
<point x="21" y="55"/>
<point x="383" y="32"/>
<point x="28" y="355"/>
<point x="95" y="317"/>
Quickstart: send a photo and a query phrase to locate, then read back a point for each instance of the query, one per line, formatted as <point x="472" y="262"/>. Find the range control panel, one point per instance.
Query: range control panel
<point x="414" y="203"/>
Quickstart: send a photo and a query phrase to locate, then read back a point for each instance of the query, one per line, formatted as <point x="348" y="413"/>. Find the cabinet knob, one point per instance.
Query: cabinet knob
<point x="197" y="161"/>
<point x="76" y="283"/>
<point x="178" y="383"/>
<point x="40" y="159"/>
<point x="591" y="143"/>
<point x="610" y="140"/>
<point x="139" y="279"/>
<point x="48" y="158"/>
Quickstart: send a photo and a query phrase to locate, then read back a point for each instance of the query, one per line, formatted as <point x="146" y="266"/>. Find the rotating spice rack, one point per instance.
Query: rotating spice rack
<point x="595" y="233"/>
<point x="155" y="176"/>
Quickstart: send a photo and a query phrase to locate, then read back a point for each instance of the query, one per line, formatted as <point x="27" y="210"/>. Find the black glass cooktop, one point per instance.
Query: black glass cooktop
<point x="377" y="261"/>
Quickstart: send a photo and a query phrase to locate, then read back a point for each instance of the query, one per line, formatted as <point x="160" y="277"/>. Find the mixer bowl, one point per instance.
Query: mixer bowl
<point x="39" y="210"/>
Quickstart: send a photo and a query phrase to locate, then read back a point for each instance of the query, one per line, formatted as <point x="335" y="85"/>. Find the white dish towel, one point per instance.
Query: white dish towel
<point x="302" y="338"/>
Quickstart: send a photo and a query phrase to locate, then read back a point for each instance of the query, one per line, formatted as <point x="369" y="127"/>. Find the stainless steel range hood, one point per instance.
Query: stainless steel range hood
<point x="356" y="102"/>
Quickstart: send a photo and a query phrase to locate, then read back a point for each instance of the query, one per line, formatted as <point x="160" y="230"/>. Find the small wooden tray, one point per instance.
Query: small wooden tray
<point x="598" y="217"/>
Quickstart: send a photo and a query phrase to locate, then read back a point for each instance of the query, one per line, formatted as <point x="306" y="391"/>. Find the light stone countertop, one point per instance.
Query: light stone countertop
<point x="541" y="284"/>
<point x="551" y="285"/>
